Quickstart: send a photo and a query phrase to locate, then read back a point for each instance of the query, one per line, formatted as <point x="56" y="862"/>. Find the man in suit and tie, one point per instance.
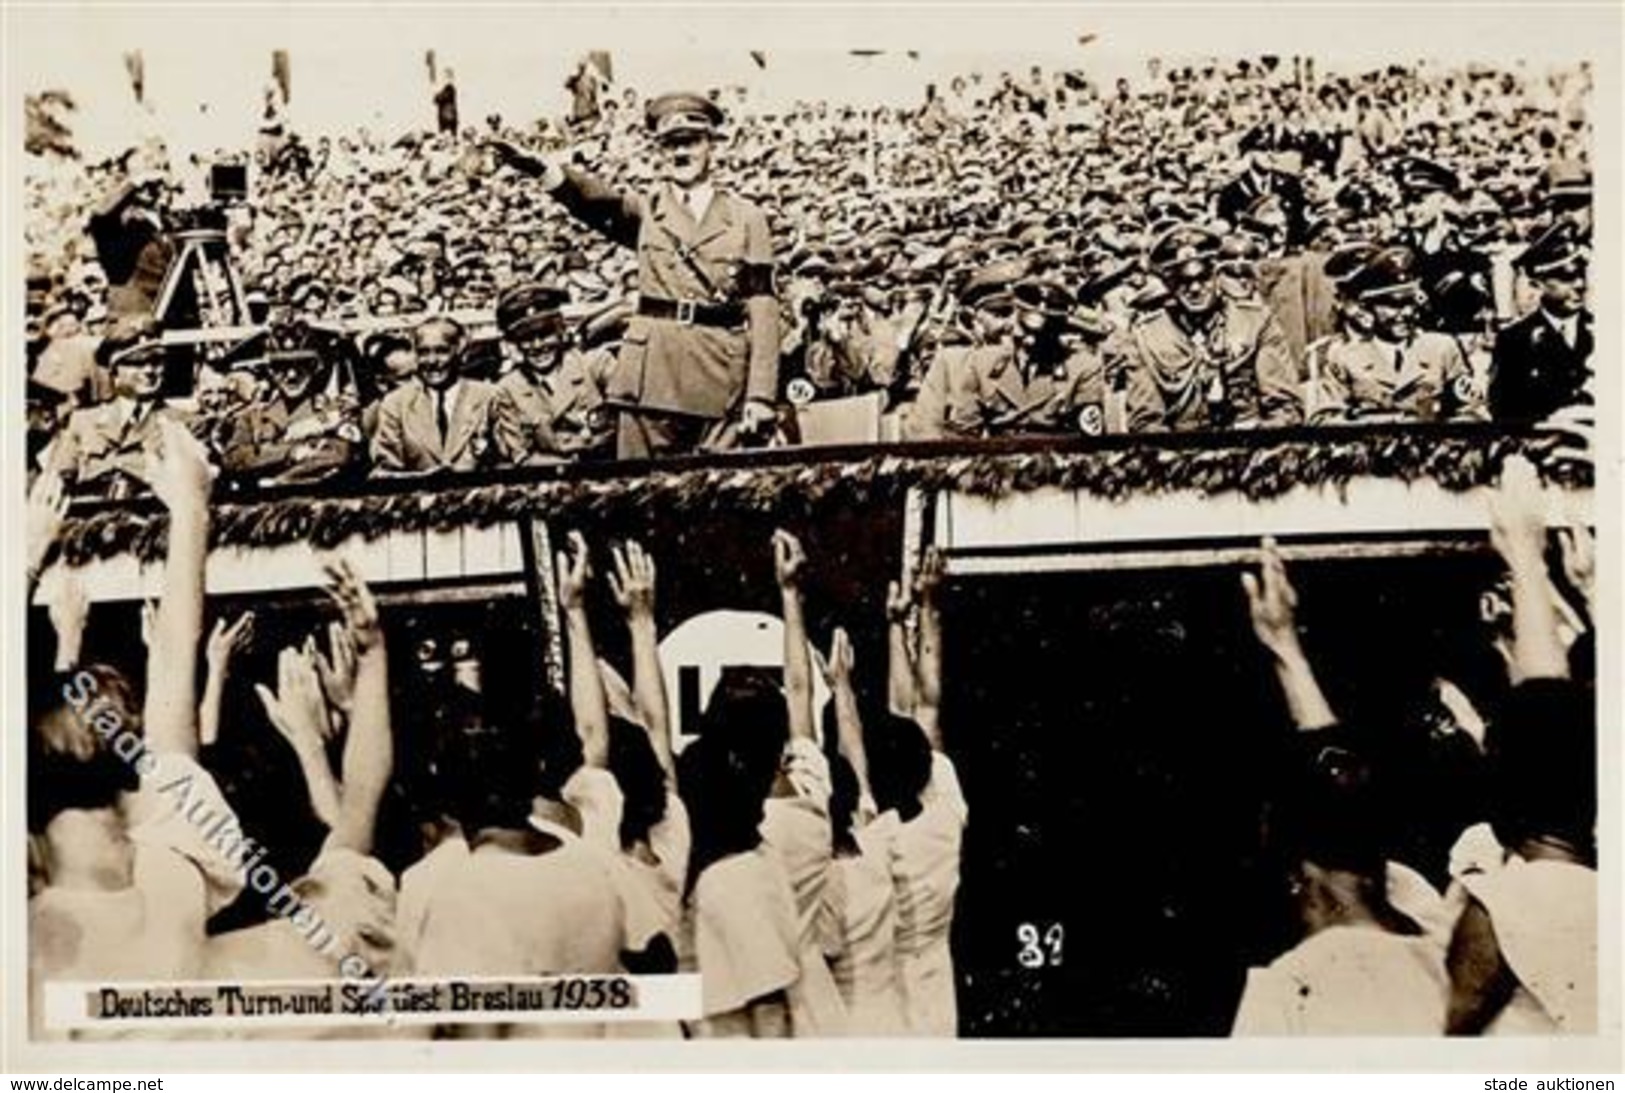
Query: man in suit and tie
<point x="698" y="368"/>
<point x="438" y="421"/>
<point x="103" y="449"/>
<point x="1542" y="362"/>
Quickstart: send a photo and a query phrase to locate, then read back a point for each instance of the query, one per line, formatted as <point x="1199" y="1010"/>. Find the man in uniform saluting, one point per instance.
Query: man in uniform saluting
<point x="550" y="405"/>
<point x="698" y="368"/>
<point x="1205" y="361"/>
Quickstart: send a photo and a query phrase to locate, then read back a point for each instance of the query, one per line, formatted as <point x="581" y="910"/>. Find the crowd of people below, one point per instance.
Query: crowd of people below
<point x="1229" y="247"/>
<point x="807" y="871"/>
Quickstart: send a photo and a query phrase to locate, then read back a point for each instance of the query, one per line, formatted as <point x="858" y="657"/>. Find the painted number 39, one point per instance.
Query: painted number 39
<point x="1040" y="948"/>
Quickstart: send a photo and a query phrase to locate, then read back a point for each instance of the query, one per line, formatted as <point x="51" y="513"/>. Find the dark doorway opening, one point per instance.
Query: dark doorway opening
<point x="1114" y="732"/>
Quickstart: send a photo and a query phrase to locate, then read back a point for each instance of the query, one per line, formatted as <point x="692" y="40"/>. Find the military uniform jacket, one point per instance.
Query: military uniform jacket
<point x="304" y="442"/>
<point x="980" y="391"/>
<point x="408" y="437"/>
<point x="1238" y="373"/>
<point x="563" y="414"/>
<point x="1362" y="379"/>
<point x="686" y="368"/>
<point x="103" y="444"/>
<point x="1534" y="372"/>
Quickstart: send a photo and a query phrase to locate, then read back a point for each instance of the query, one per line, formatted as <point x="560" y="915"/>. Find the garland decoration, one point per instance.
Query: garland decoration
<point x="805" y="482"/>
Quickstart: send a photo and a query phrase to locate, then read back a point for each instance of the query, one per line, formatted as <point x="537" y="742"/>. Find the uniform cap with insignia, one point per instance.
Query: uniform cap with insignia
<point x="1185" y="251"/>
<point x="135" y="340"/>
<point x="1567" y="184"/>
<point x="292" y="343"/>
<point x="1347" y="260"/>
<point x="1387" y="274"/>
<point x="992" y="284"/>
<point x="681" y="112"/>
<point x="1559" y="249"/>
<point x="1417" y="175"/>
<point x="534" y="307"/>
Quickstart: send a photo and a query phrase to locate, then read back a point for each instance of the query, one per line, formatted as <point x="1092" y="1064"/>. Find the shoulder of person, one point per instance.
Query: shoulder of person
<point x="394" y="400"/>
<point x="1433" y="344"/>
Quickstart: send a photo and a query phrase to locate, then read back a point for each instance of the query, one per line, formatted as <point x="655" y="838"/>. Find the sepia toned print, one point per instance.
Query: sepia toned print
<point x="1077" y="541"/>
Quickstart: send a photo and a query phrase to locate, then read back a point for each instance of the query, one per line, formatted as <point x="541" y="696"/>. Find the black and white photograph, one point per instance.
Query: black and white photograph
<point x="1075" y="524"/>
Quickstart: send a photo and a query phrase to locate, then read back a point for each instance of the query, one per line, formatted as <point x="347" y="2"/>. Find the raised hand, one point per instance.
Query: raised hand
<point x="789" y="559"/>
<point x="898" y="602"/>
<point x="1272" y="602"/>
<point x="337" y="673"/>
<point x="632" y="581"/>
<point x="149" y="616"/>
<point x="227" y="641"/>
<point x="47" y="508"/>
<point x="68" y="608"/>
<point x="296" y="708"/>
<point x="928" y="579"/>
<point x="574" y="572"/>
<point x="1580" y="561"/>
<point x="838" y="667"/>
<point x="179" y="473"/>
<point x="1517" y="514"/>
<point x="355" y="603"/>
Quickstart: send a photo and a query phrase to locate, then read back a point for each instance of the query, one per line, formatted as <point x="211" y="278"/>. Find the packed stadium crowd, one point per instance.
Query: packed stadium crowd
<point x="1225" y="246"/>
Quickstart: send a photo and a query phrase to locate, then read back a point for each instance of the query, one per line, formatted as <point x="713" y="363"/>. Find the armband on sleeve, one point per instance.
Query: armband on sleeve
<point x="756" y="279"/>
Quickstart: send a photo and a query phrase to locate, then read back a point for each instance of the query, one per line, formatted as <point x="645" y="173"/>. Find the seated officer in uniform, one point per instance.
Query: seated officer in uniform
<point x="102" y="451"/>
<point x="1542" y="362"/>
<point x="698" y="367"/>
<point x="1019" y="379"/>
<point x="438" y="421"/>
<point x="551" y="402"/>
<point x="1204" y="360"/>
<point x="293" y="431"/>
<point x="1397" y="373"/>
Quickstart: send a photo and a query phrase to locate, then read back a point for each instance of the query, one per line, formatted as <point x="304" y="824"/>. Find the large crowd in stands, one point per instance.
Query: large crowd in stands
<point x="1226" y="246"/>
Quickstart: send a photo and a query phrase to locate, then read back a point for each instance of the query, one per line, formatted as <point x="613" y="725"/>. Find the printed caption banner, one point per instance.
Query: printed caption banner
<point x="589" y="999"/>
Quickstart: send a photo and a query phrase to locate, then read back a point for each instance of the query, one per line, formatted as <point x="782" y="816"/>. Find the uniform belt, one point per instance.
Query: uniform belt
<point x="691" y="313"/>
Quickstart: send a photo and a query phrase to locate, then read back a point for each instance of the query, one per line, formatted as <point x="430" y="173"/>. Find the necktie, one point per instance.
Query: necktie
<point x="440" y="415"/>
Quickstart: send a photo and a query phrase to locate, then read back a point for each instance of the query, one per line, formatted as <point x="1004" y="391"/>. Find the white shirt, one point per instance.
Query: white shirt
<point x="925" y="876"/>
<point x="1349" y="981"/>
<point x="153" y="930"/>
<point x="796" y="830"/>
<point x="697" y="199"/>
<point x="1568" y="327"/>
<point x="1545" y="918"/>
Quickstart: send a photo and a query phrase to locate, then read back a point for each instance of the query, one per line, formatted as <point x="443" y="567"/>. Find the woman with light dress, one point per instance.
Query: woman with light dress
<point x="859" y="900"/>
<point x="913" y="777"/>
